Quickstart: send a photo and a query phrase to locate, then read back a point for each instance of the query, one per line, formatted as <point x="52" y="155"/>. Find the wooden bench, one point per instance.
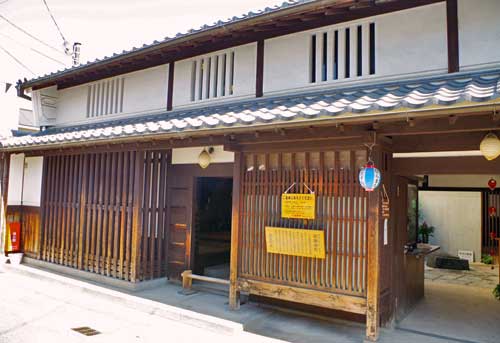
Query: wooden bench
<point x="188" y="277"/>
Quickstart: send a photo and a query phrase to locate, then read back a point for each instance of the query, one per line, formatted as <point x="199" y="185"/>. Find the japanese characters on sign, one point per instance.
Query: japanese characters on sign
<point x="295" y="242"/>
<point x="298" y="206"/>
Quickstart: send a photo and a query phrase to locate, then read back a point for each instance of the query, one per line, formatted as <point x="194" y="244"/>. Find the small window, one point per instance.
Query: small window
<point x="212" y="77"/>
<point x="105" y="97"/>
<point x="342" y="53"/>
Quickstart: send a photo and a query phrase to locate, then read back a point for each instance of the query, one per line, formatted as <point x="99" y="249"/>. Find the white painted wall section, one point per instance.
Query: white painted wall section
<point x="32" y="190"/>
<point x="190" y="155"/>
<point x="16" y="170"/>
<point x="457" y="219"/>
<point x="479" y="32"/>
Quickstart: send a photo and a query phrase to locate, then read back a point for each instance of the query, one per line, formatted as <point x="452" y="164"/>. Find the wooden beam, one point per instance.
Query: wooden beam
<point x="307" y="296"/>
<point x="259" y="79"/>
<point x="373" y="258"/>
<point x="234" y="301"/>
<point x="438" y="142"/>
<point x="170" y="90"/>
<point x="452" y="36"/>
<point x="445" y="165"/>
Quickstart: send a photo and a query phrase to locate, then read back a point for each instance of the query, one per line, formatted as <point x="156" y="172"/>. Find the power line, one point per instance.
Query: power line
<point x="34" y="50"/>
<point x="17" y="60"/>
<point x="29" y="34"/>
<point x="55" y="22"/>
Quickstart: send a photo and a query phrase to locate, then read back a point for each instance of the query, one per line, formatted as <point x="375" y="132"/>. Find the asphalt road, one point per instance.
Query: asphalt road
<point x="33" y="310"/>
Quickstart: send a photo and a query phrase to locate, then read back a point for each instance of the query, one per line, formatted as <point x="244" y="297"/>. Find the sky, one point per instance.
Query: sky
<point x="103" y="27"/>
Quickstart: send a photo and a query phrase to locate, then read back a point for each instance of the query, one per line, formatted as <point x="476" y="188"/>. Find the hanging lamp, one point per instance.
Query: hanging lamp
<point x="490" y="146"/>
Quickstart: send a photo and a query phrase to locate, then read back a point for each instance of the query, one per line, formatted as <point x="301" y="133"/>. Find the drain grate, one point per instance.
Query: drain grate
<point x="87" y="331"/>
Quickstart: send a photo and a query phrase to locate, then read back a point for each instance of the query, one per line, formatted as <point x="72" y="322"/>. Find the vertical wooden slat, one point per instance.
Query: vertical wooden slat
<point x="153" y="208"/>
<point x="83" y="202"/>
<point x="136" y="218"/>
<point x="235" y="234"/>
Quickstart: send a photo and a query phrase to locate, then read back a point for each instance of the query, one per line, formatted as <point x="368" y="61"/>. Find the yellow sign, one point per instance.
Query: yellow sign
<point x="299" y="206"/>
<point x="295" y="242"/>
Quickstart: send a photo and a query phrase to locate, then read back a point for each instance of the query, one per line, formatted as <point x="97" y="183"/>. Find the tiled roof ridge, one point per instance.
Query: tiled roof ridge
<point x="178" y="35"/>
<point x="323" y="105"/>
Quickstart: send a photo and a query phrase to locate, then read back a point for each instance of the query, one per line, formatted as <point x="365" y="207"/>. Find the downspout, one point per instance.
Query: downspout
<point x="20" y="91"/>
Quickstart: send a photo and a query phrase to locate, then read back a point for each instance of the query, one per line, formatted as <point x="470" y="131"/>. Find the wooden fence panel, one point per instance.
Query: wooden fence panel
<point x="341" y="212"/>
<point x="87" y="211"/>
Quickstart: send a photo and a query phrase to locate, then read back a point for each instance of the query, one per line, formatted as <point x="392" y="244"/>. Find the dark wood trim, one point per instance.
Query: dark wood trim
<point x="5" y="178"/>
<point x="452" y="35"/>
<point x="170" y="89"/>
<point x="458" y="189"/>
<point x="259" y="79"/>
<point x="136" y="216"/>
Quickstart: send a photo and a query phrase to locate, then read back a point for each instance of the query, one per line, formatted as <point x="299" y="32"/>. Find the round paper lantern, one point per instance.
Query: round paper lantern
<point x="492" y="184"/>
<point x="492" y="211"/>
<point x="490" y="146"/>
<point x="369" y="177"/>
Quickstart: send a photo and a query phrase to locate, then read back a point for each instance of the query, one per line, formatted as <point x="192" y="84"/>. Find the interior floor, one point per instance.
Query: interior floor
<point x="213" y="226"/>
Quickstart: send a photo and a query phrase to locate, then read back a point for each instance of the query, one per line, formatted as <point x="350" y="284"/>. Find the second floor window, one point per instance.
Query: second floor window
<point x="212" y="76"/>
<point x="105" y="97"/>
<point x="342" y="53"/>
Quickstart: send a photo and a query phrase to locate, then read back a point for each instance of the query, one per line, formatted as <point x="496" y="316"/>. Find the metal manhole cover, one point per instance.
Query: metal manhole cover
<point x="87" y="331"/>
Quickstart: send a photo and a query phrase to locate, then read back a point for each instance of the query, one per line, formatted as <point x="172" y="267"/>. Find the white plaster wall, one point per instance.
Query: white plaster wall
<point x="479" y="32"/>
<point x="407" y="42"/>
<point x="472" y="181"/>
<point x="190" y="155"/>
<point x="32" y="181"/>
<point x="145" y="92"/>
<point x="457" y="218"/>
<point x="16" y="170"/>
<point x="245" y="60"/>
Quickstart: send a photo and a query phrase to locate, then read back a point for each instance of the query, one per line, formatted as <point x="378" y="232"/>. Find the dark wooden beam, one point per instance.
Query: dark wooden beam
<point x="445" y="165"/>
<point x="438" y="142"/>
<point x="259" y="79"/>
<point x="452" y="36"/>
<point x="170" y="90"/>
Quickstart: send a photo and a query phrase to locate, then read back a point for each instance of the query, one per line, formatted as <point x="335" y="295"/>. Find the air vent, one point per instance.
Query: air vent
<point x="87" y="331"/>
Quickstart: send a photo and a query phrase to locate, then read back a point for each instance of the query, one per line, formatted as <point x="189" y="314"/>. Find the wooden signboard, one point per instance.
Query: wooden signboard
<point x="298" y="206"/>
<point x="295" y="242"/>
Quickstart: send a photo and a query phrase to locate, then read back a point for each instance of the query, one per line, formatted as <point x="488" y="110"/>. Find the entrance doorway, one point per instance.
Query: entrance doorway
<point x="212" y="224"/>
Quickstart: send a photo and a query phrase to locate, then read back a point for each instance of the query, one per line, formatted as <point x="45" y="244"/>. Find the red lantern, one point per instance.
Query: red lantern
<point x="492" y="235"/>
<point x="492" y="184"/>
<point x="492" y="211"/>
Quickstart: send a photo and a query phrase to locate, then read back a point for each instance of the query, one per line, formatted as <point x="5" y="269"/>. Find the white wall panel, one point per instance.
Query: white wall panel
<point x="33" y="181"/>
<point x="15" y="188"/>
<point x="190" y="155"/>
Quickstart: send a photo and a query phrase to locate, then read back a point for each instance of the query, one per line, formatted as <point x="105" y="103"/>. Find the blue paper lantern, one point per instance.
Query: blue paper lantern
<point x="369" y="177"/>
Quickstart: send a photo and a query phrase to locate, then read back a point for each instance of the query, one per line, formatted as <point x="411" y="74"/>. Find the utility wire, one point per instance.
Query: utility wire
<point x="16" y="59"/>
<point x="55" y="22"/>
<point x="34" y="50"/>
<point x="30" y="35"/>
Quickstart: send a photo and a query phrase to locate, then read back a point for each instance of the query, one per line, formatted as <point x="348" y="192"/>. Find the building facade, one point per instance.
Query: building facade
<point x="291" y="100"/>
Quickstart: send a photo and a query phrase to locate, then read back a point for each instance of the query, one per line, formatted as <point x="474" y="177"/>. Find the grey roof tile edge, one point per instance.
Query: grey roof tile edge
<point x="480" y="87"/>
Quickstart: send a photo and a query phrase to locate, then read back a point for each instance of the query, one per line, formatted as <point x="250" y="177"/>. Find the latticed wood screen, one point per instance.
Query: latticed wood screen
<point x="491" y="222"/>
<point x="341" y="212"/>
<point x="87" y="212"/>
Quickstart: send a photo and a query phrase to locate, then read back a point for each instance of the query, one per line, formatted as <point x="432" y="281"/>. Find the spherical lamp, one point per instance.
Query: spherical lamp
<point x="490" y="146"/>
<point x="204" y="159"/>
<point x="492" y="184"/>
<point x="369" y="177"/>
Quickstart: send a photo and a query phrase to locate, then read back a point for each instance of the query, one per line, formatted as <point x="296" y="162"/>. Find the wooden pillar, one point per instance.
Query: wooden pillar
<point x="452" y="35"/>
<point x="170" y="90"/>
<point x="234" y="301"/>
<point x="83" y="209"/>
<point x="5" y="168"/>
<point x="259" y="79"/>
<point x="43" y="214"/>
<point x="373" y="258"/>
<point x="136" y="215"/>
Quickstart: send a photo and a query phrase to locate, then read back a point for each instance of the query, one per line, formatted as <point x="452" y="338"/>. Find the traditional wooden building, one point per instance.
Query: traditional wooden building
<point x="294" y="99"/>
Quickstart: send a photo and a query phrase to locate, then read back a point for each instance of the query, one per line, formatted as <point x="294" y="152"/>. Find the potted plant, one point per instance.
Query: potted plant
<point x="487" y="259"/>
<point x="496" y="292"/>
<point x="425" y="231"/>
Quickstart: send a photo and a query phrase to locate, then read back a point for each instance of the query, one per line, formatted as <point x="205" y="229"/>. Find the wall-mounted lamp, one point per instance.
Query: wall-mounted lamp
<point x="204" y="157"/>
<point x="490" y="146"/>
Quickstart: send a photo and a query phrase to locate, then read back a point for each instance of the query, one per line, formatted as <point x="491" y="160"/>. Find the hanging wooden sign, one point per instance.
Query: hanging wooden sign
<point x="298" y="206"/>
<point x="295" y="242"/>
